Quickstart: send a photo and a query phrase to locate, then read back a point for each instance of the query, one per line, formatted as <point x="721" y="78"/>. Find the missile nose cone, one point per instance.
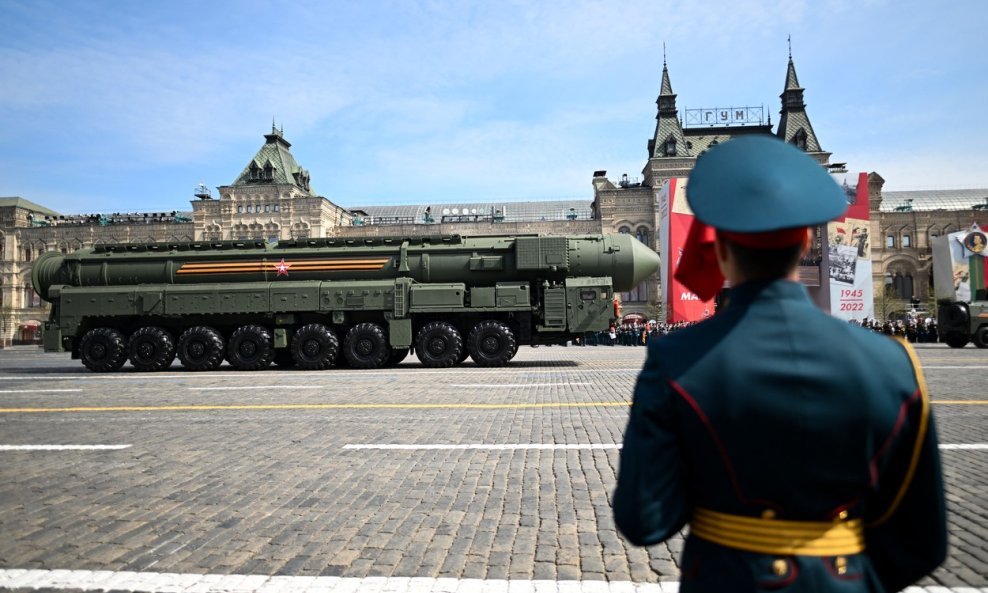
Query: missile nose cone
<point x="645" y="262"/>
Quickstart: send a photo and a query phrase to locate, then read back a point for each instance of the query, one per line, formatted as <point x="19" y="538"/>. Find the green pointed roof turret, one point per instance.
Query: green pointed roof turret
<point x="794" y="124"/>
<point x="668" y="139"/>
<point x="274" y="165"/>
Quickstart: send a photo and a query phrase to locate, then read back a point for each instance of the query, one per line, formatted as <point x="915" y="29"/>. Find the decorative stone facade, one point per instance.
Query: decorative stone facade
<point x="672" y="152"/>
<point x="903" y="227"/>
<point x="272" y="199"/>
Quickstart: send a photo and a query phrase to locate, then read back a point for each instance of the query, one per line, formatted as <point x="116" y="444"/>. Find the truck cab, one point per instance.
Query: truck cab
<point x="959" y="282"/>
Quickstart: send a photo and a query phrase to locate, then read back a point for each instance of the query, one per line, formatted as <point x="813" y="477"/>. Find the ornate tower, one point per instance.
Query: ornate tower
<point x="669" y="154"/>
<point x="270" y="200"/>
<point x="794" y="124"/>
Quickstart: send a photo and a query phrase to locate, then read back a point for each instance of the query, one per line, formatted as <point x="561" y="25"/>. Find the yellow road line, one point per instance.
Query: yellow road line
<point x="302" y="407"/>
<point x="233" y="407"/>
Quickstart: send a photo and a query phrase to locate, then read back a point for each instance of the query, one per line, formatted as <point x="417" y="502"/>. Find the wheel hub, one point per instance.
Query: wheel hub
<point x="364" y="347"/>
<point x="436" y="346"/>
<point x="145" y="350"/>
<point x="311" y="348"/>
<point x="490" y="344"/>
<point x="98" y="351"/>
<point x="248" y="348"/>
<point x="197" y="349"/>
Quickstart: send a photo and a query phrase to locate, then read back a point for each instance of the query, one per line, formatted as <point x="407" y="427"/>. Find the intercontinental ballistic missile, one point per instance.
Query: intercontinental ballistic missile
<point x="253" y="303"/>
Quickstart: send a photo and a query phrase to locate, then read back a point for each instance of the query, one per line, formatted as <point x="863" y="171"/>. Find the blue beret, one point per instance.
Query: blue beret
<point x="756" y="184"/>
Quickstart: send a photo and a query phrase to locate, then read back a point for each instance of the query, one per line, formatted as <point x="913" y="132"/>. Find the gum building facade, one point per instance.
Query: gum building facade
<point x="272" y="198"/>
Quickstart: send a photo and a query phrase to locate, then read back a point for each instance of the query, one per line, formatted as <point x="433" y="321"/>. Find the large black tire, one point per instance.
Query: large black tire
<point x="102" y="350"/>
<point x="151" y="349"/>
<point x="314" y="347"/>
<point x="201" y="348"/>
<point x="514" y="351"/>
<point x="955" y="340"/>
<point x="980" y="337"/>
<point x="250" y="348"/>
<point x="366" y="346"/>
<point x="491" y="344"/>
<point x="439" y="345"/>
<point x="397" y="355"/>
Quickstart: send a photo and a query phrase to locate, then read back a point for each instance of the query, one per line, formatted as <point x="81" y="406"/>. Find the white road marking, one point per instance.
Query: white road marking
<point x="482" y="446"/>
<point x="63" y="447"/>
<point x="514" y="385"/>
<point x="243" y="388"/>
<point x="330" y="373"/>
<point x="552" y="446"/>
<point x="163" y="582"/>
<point x="40" y="391"/>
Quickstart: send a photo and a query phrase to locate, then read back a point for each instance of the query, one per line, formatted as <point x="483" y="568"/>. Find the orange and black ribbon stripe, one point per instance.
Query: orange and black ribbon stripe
<point x="305" y="265"/>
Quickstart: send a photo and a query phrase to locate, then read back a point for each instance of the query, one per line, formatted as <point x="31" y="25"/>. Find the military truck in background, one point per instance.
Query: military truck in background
<point x="959" y="263"/>
<point x="319" y="303"/>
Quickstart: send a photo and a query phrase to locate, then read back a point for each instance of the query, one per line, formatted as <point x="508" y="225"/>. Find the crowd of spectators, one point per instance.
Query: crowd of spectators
<point x="99" y="219"/>
<point x="629" y="334"/>
<point x="638" y="334"/>
<point x="913" y="330"/>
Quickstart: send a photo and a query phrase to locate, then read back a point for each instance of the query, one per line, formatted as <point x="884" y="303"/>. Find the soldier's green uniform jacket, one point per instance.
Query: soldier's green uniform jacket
<point x="799" y="448"/>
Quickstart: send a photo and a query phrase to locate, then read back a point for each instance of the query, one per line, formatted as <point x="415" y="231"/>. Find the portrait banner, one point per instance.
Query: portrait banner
<point x="849" y="252"/>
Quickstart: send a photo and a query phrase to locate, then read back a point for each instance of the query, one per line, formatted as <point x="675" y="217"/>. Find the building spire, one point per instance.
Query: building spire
<point x="794" y="124"/>
<point x="668" y="139"/>
<point x="666" y="88"/>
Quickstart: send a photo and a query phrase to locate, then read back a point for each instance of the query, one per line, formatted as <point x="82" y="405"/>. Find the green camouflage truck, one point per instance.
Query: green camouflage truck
<point x="959" y="264"/>
<point x="319" y="303"/>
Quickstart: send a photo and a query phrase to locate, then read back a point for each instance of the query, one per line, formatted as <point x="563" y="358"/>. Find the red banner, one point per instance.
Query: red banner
<point x="675" y="217"/>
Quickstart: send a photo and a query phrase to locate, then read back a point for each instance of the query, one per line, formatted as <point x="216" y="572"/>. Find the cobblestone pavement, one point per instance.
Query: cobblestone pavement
<point x="271" y="473"/>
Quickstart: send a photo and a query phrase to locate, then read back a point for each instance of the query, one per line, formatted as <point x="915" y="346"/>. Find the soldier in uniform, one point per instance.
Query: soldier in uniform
<point x="800" y="449"/>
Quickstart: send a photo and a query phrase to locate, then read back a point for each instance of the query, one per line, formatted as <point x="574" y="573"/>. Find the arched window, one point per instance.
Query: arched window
<point x="642" y="235"/>
<point x="903" y="285"/>
<point x="799" y="139"/>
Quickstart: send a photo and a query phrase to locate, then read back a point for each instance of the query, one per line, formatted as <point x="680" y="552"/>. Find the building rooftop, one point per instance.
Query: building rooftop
<point x="477" y="211"/>
<point x="18" y="202"/>
<point x="934" y="199"/>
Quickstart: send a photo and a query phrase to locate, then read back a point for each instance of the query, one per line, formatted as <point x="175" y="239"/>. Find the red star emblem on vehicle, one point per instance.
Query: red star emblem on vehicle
<point x="282" y="267"/>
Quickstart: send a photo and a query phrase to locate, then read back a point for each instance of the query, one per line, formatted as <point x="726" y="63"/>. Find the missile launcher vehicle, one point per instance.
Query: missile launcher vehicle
<point x="319" y="303"/>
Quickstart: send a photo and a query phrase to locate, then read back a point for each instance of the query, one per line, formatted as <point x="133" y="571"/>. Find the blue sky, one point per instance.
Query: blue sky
<point x="126" y="106"/>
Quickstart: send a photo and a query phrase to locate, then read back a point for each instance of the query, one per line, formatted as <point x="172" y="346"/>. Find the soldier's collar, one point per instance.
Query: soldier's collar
<point x="779" y="288"/>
